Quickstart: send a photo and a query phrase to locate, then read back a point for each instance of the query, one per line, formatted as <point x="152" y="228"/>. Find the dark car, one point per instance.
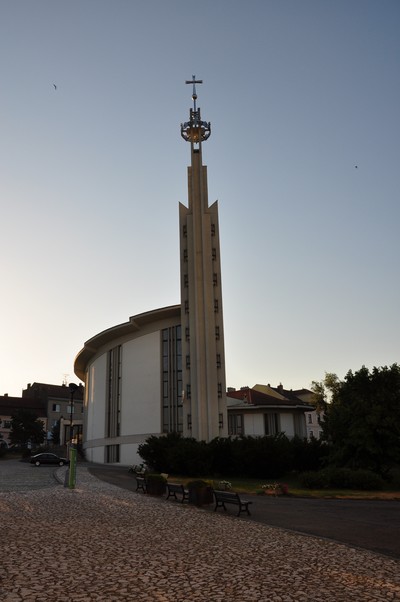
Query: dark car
<point x="47" y="458"/>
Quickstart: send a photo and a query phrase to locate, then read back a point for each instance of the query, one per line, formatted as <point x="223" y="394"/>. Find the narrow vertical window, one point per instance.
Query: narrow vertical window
<point x="171" y="390"/>
<point x="113" y="404"/>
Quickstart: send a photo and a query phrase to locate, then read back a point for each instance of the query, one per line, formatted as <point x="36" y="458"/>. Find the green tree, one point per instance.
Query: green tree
<point x="324" y="390"/>
<point x="362" y="421"/>
<point x="25" y="428"/>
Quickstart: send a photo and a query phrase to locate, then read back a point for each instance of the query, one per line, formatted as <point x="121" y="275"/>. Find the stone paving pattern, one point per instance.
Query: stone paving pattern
<point x="100" y="542"/>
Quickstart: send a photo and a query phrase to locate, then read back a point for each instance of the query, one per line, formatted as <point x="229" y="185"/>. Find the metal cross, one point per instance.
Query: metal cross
<point x="194" y="81"/>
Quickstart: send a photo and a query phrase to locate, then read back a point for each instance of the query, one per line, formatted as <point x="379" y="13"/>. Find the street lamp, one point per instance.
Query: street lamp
<point x="72" y="450"/>
<point x="72" y="389"/>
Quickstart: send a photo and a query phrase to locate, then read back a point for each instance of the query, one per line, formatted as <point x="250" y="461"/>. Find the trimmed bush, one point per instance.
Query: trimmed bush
<point x="341" y="478"/>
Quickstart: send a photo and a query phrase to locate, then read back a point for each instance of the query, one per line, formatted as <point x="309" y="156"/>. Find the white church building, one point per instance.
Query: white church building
<point x="164" y="370"/>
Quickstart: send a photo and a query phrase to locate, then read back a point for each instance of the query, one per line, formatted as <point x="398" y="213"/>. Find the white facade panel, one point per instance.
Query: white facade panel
<point x="254" y="424"/>
<point x="287" y="424"/>
<point x="96" y="409"/>
<point x="129" y="454"/>
<point x="141" y="385"/>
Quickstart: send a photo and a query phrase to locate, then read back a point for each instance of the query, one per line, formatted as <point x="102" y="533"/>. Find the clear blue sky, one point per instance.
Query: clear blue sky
<point x="298" y="93"/>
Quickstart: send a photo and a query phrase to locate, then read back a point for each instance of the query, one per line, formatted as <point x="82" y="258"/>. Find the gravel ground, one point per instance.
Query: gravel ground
<point x="100" y="542"/>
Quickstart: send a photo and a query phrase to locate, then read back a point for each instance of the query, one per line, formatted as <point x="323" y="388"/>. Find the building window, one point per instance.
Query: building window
<point x="185" y="255"/>
<point x="216" y="306"/>
<point x="217" y="333"/>
<point x="187" y="333"/>
<point x="235" y="424"/>
<point x="309" y="418"/>
<point x="218" y="360"/>
<point x="189" y="421"/>
<point x="219" y="390"/>
<point x="212" y="229"/>
<point x="188" y="392"/>
<point x="184" y="231"/>
<point x="113" y="402"/>
<point x="188" y="362"/>
<point x="185" y="280"/>
<point x="112" y="454"/>
<point x="186" y="306"/>
<point x="214" y="254"/>
<point x="215" y="279"/>
<point x="7" y="424"/>
<point x="172" y="402"/>
<point x="271" y="422"/>
<point x="299" y="425"/>
<point x="56" y="407"/>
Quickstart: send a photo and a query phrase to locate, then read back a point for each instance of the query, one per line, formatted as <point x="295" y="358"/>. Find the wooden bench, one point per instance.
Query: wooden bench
<point x="228" y="497"/>
<point x="174" y="488"/>
<point x="141" y="484"/>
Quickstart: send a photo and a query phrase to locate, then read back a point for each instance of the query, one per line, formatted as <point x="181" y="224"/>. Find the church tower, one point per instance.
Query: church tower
<point x="203" y="356"/>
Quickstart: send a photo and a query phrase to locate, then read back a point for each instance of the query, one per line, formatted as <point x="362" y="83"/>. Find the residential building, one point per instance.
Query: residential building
<point x="265" y="410"/>
<point x="60" y="406"/>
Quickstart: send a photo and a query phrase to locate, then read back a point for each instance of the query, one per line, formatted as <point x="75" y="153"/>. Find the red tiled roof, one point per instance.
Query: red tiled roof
<point x="257" y="398"/>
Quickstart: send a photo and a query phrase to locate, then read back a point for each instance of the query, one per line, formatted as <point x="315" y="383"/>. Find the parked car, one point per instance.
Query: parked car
<point x="46" y="458"/>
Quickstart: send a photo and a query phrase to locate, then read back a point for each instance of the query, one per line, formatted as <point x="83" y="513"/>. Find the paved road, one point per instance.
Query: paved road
<point x="23" y="476"/>
<point x="369" y="524"/>
<point x="372" y="525"/>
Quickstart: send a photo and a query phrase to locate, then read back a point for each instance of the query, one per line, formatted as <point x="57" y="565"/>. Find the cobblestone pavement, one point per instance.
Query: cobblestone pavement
<point x="102" y="543"/>
<point x="24" y="476"/>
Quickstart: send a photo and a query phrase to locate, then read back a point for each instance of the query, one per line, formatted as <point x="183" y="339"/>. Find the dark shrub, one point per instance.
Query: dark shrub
<point x="308" y="454"/>
<point x="314" y="479"/>
<point x="341" y="478"/>
<point x="155" y="451"/>
<point x="345" y="478"/>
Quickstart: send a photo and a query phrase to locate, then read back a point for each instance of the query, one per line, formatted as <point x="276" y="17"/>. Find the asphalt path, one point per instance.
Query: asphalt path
<point x="369" y="524"/>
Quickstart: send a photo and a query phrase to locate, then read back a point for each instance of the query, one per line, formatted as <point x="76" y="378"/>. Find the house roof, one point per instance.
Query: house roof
<point x="8" y="405"/>
<point x="45" y="391"/>
<point x="267" y="397"/>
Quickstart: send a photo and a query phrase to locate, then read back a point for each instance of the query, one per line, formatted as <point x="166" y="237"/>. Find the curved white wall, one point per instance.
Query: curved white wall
<point x="140" y="403"/>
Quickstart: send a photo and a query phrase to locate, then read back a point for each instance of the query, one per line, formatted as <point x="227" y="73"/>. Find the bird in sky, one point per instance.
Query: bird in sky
<point x="55" y="87"/>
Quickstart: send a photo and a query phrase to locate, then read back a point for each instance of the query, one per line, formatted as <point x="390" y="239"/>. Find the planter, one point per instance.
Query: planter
<point x="200" y="494"/>
<point x="155" y="485"/>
